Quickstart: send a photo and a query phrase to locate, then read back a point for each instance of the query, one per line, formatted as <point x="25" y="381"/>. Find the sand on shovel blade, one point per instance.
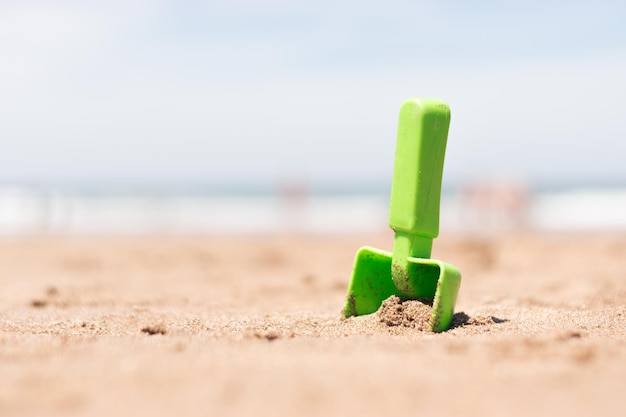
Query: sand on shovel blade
<point x="409" y="313"/>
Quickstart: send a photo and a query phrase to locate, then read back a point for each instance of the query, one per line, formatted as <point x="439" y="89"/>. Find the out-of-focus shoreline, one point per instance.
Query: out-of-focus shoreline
<point x="489" y="209"/>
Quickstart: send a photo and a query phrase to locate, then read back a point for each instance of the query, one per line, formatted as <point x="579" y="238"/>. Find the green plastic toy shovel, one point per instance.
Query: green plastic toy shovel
<point x="414" y="216"/>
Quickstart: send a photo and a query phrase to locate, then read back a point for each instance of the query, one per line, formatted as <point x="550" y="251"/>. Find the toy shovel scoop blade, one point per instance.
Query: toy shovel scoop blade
<point x="436" y="282"/>
<point x="414" y="216"/>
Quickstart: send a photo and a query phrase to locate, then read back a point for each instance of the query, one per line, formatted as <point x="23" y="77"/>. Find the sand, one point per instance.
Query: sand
<point x="408" y="313"/>
<point x="226" y="326"/>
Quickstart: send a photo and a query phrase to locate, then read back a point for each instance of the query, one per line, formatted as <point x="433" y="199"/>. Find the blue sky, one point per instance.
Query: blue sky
<point x="255" y="91"/>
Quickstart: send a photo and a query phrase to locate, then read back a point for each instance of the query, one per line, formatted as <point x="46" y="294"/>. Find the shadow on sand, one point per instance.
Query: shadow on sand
<point x="461" y="320"/>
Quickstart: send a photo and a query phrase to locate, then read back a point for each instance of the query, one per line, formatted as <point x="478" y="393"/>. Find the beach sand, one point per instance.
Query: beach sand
<point x="221" y="326"/>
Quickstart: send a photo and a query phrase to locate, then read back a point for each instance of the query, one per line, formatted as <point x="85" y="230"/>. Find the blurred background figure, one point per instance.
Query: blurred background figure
<point x="495" y="206"/>
<point x="292" y="195"/>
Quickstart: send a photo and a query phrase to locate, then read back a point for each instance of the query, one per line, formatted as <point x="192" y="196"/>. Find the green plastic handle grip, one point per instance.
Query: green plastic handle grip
<point x="418" y="169"/>
<point x="416" y="188"/>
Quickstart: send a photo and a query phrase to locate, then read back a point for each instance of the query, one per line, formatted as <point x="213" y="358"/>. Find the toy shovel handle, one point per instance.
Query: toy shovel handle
<point x="418" y="168"/>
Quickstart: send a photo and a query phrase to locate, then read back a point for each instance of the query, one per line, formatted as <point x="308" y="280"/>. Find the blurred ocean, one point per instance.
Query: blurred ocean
<point x="32" y="210"/>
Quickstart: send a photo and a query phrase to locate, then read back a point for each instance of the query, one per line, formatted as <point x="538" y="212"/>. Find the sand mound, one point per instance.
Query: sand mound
<point x="410" y="313"/>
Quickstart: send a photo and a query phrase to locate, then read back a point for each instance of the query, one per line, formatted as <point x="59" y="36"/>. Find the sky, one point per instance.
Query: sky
<point x="258" y="92"/>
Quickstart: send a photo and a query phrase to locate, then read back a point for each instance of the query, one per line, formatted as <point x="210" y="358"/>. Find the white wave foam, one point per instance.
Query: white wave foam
<point x="31" y="211"/>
